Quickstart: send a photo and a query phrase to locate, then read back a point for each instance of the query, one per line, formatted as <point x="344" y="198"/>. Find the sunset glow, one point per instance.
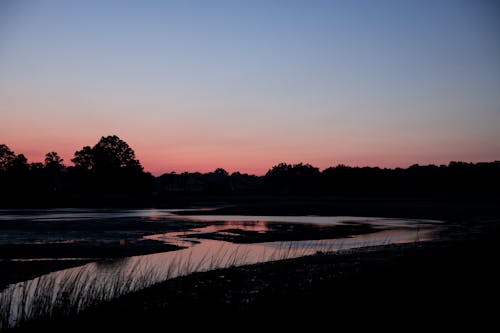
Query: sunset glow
<point x="244" y="86"/>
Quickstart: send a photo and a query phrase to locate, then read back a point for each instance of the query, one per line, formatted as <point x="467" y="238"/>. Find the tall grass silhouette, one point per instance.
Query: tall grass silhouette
<point x="70" y="291"/>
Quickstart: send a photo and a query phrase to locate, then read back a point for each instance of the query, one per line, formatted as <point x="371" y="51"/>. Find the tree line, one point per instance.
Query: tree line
<point x="109" y="173"/>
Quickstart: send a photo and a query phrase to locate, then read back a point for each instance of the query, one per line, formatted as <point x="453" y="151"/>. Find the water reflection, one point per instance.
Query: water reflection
<point x="76" y="288"/>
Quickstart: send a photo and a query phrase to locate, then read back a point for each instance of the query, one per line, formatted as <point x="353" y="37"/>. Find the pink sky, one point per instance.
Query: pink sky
<point x="247" y="85"/>
<point x="257" y="159"/>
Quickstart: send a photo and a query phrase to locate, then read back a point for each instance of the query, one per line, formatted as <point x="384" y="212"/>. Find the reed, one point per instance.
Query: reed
<point x="46" y="298"/>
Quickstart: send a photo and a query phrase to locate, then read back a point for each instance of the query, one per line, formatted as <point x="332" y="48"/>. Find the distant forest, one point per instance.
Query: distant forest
<point x="109" y="174"/>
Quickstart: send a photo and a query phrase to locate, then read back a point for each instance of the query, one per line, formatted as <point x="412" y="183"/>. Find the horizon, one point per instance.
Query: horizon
<point x="321" y="169"/>
<point x="245" y="86"/>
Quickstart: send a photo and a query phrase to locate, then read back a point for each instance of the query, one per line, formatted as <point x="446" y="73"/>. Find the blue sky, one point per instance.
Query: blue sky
<point x="194" y="85"/>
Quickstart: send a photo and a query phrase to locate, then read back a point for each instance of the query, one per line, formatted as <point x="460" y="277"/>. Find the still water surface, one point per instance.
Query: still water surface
<point x="76" y="288"/>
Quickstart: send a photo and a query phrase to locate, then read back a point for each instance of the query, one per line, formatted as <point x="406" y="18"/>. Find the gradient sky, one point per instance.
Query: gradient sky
<point x="244" y="85"/>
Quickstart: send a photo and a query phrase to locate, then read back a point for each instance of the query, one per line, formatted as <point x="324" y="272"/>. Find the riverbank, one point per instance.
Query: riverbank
<point x="36" y="242"/>
<point x="449" y="209"/>
<point x="445" y="275"/>
<point x="446" y="282"/>
<point x="33" y="246"/>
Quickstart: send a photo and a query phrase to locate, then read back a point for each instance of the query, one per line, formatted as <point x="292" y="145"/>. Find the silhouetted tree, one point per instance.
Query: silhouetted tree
<point x="298" y="178"/>
<point x="84" y="158"/>
<point x="110" y="165"/>
<point x="111" y="154"/>
<point x="54" y="173"/>
<point x="109" y="174"/>
<point x="14" y="174"/>
<point x="7" y="157"/>
<point x="20" y="164"/>
<point x="53" y="161"/>
<point x="217" y="181"/>
<point x="36" y="166"/>
<point x="220" y="172"/>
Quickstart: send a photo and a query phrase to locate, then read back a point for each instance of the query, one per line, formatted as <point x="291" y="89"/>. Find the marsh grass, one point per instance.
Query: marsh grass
<point x="54" y="296"/>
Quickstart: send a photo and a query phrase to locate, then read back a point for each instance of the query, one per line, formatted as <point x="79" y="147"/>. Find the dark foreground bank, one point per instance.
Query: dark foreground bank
<point x="449" y="283"/>
<point x="31" y="247"/>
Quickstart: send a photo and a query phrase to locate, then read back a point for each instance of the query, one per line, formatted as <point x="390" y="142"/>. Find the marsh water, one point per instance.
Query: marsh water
<point x="207" y="243"/>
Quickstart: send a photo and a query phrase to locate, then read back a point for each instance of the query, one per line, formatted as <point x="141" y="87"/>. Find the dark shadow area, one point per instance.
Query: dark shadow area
<point x="441" y="284"/>
<point x="289" y="232"/>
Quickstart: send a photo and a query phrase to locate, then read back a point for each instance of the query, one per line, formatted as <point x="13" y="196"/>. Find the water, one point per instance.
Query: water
<point x="76" y="288"/>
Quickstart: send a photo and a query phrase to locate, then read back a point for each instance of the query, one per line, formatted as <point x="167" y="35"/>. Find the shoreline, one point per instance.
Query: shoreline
<point x="14" y="271"/>
<point x="18" y="261"/>
<point x="458" y="265"/>
<point x="88" y="240"/>
<point x="441" y="276"/>
<point x="458" y="220"/>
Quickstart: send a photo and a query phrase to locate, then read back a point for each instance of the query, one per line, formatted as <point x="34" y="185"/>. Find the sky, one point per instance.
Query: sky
<point x="244" y="85"/>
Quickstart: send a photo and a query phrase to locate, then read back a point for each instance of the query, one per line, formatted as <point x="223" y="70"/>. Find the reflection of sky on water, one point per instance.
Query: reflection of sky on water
<point x="77" y="287"/>
<point x="74" y="214"/>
